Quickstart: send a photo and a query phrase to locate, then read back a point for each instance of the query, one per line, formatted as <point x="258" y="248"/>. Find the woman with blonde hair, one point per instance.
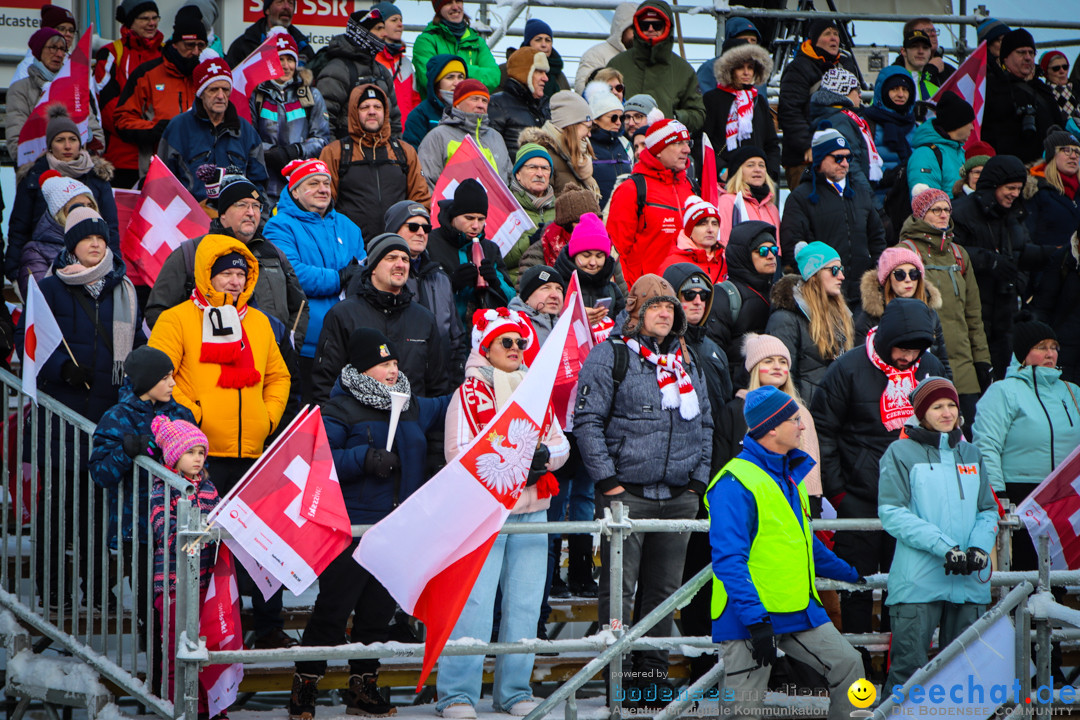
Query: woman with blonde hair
<point x="566" y="138"/>
<point x="810" y="316"/>
<point x="62" y="195"/>
<point x="1051" y="191"/>
<point x="749" y="194"/>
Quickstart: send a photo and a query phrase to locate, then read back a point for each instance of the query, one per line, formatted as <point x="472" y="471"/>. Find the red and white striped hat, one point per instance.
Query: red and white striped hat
<point x="664" y="133"/>
<point x="697" y="210"/>
<point x="490" y="324"/>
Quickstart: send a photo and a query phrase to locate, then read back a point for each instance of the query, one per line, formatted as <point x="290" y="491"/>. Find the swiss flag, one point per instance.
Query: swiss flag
<point x="287" y="513"/>
<point x="219" y="623"/>
<point x="710" y="188"/>
<point x="969" y="82"/>
<point x="258" y="67"/>
<point x="70" y="88"/>
<point x="578" y="343"/>
<point x="41" y="338"/>
<point x="430" y="550"/>
<point x="165" y="215"/>
<point x="1053" y="509"/>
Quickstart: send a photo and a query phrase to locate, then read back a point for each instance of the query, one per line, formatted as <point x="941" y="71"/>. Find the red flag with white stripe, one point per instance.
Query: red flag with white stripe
<point x="710" y="188"/>
<point x="430" y="550"/>
<point x="258" y="67"/>
<point x="41" y="338"/>
<point x="969" y="82"/>
<point x="219" y="623"/>
<point x="70" y="88"/>
<point x="165" y="215"/>
<point x="579" y="342"/>
<point x="1053" y="509"/>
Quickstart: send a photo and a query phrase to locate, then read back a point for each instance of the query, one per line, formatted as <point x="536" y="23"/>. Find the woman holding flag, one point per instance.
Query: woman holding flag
<point x="502" y="341"/>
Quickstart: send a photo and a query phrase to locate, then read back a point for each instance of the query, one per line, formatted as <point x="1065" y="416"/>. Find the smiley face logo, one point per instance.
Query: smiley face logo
<point x="862" y="693"/>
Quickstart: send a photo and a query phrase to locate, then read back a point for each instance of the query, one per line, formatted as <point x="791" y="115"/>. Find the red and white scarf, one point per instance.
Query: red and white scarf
<point x="676" y="389"/>
<point x="895" y="406"/>
<point x="225" y="343"/>
<point x="602" y="330"/>
<point x="741" y="116"/>
<point x="876" y="163"/>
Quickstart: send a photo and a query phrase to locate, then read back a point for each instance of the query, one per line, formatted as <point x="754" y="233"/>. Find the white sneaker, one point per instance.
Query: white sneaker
<point x="459" y="711"/>
<point x="522" y="708"/>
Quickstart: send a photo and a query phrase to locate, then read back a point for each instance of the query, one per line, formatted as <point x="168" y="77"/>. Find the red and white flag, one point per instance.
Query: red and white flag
<point x="165" y="215"/>
<point x="506" y="221"/>
<point x="287" y="513"/>
<point x="258" y="67"/>
<point x="41" y="339"/>
<point x="579" y="342"/>
<point x="1053" y="509"/>
<point x="430" y="550"/>
<point x="70" y="88"/>
<point x="219" y="623"/>
<point x="710" y="187"/>
<point x="969" y="82"/>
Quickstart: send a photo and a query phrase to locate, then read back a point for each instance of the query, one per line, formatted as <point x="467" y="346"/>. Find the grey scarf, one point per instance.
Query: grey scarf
<point x="76" y="168"/>
<point x="370" y="391"/>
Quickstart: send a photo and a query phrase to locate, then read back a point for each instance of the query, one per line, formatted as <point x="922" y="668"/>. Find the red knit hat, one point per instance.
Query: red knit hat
<point x="467" y="87"/>
<point x="284" y="42"/>
<point x="490" y="324"/>
<point x="974" y="149"/>
<point x="696" y="210"/>
<point x="210" y="71"/>
<point x="663" y="133"/>
<point x="923" y="198"/>
<point x="300" y="170"/>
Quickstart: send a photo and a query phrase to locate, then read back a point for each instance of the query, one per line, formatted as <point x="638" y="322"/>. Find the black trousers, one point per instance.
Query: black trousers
<point x="869" y="553"/>
<point x="346" y="588"/>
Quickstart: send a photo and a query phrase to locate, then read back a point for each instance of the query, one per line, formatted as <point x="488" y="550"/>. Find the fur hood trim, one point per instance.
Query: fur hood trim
<point x="739" y="56"/>
<point x="782" y="296"/>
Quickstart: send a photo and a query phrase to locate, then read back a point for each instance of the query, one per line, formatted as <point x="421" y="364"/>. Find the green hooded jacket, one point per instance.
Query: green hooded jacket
<point x="438" y="40"/>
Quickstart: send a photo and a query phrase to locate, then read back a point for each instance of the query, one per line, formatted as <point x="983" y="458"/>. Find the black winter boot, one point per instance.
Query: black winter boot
<point x="305" y="689"/>
<point x="363" y="697"/>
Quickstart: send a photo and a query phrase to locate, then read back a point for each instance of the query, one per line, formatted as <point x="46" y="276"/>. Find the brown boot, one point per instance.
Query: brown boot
<point x="305" y="689"/>
<point x="363" y="697"/>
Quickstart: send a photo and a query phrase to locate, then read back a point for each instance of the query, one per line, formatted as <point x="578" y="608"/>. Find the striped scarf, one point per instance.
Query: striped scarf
<point x="225" y="343"/>
<point x="876" y="163"/>
<point x="740" y="118"/>
<point x="676" y="389"/>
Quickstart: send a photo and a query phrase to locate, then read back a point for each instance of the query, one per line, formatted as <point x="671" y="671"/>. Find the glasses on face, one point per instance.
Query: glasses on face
<point x="56" y="47"/>
<point x="901" y="275"/>
<point x="618" y="87"/>
<point x="1070" y="151"/>
<point x="537" y="168"/>
<point x="1047" y="347"/>
<point x="417" y="227"/>
<point x="1058" y="68"/>
<point x="193" y="45"/>
<point x="940" y="211"/>
<point x="796" y="421"/>
<point x="692" y="295"/>
<point x="767" y="250"/>
<point x="148" y="18"/>
<point x="836" y="270"/>
<point x="249" y="205"/>
<point x="656" y="25"/>
<point x="508" y="343"/>
<point x="932" y="32"/>
<point x="615" y="118"/>
<point x="839" y="159"/>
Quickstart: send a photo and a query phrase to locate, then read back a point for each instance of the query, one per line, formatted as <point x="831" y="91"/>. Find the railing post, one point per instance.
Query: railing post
<point x="615" y="598"/>
<point x="1042" y="624"/>
<point x="188" y="521"/>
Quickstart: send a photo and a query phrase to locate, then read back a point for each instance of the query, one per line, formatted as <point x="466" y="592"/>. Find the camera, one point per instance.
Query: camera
<point x="1027" y="119"/>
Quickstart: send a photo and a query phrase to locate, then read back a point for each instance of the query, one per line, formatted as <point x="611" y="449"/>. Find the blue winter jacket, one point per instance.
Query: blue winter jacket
<point x="612" y="159"/>
<point x="881" y="115"/>
<point x="733" y="525"/>
<point x="425" y="117"/>
<point x="933" y="496"/>
<point x="1026" y="424"/>
<point x="110" y="465"/>
<point x="923" y="165"/>
<point x="352" y="428"/>
<point x="318" y="246"/>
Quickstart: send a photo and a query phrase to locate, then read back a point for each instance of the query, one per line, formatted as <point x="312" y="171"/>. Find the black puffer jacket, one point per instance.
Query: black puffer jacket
<point x="594" y="287"/>
<point x="431" y="287"/>
<point x="847" y="409"/>
<point x="1056" y="301"/>
<point x="1003" y="122"/>
<point x="801" y="77"/>
<point x="513" y="109"/>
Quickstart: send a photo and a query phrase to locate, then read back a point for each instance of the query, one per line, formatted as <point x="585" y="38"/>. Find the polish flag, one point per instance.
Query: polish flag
<point x="710" y="187"/>
<point x="506" y="221"/>
<point x="969" y="82"/>
<point x="41" y="339"/>
<point x="165" y="215"/>
<point x="579" y="342"/>
<point x="70" y="88"/>
<point x="219" y="623"/>
<point x="287" y="513"/>
<point x="430" y="550"/>
<point x="258" y="67"/>
<point x="1053" y="509"/>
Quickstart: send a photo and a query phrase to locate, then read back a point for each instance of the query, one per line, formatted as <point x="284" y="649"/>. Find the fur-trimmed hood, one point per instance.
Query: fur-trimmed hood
<point x="873" y="295"/>
<point x="538" y="136"/>
<point x="102" y="169"/>
<point x="724" y="66"/>
<point x="783" y="296"/>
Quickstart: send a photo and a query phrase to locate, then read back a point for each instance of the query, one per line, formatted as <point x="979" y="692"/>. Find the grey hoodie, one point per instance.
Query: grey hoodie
<point x="598" y="56"/>
<point x="453" y="128"/>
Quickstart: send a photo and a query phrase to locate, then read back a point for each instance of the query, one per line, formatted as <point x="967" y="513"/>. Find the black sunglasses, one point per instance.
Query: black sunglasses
<point x="1058" y="68"/>
<point x="616" y="118"/>
<point x="914" y="274"/>
<point x="767" y="250"/>
<point x="417" y="227"/>
<point x="841" y="158"/>
<point x="618" y="88"/>
<point x="652" y="24"/>
<point x="692" y="295"/>
<point x="835" y="269"/>
<point x="508" y="343"/>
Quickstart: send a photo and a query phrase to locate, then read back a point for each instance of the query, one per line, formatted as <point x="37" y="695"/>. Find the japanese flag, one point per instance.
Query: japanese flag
<point x="42" y="338"/>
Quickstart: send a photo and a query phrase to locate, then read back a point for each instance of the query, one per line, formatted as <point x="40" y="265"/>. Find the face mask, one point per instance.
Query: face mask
<point x="447" y="96"/>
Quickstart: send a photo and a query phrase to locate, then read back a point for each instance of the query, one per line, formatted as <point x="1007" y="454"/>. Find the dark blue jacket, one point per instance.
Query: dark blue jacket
<point x="611" y="161"/>
<point x="352" y="428"/>
<point x="733" y="525"/>
<point x="1052" y="217"/>
<point x="425" y="116"/>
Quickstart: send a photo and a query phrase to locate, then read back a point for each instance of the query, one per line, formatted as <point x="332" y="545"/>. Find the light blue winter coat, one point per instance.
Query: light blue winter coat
<point x="934" y="495"/>
<point x="923" y="165"/>
<point x="1026" y="424"/>
<point x="318" y="248"/>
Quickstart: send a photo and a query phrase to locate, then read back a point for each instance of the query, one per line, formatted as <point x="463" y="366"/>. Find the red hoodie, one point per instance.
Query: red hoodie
<point x="114" y="65"/>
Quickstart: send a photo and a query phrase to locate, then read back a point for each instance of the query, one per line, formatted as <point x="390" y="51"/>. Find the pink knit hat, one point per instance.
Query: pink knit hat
<point x="758" y="347"/>
<point x="894" y="257"/>
<point x="590" y="234"/>
<point x="176" y="437"/>
<point x="923" y="198"/>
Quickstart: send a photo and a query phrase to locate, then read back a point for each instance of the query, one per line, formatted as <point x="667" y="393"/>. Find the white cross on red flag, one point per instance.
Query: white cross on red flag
<point x="969" y="82"/>
<point x="70" y="88"/>
<point x="1053" y="509"/>
<point x="165" y="215"/>
<point x="219" y="623"/>
<point x="258" y="67"/>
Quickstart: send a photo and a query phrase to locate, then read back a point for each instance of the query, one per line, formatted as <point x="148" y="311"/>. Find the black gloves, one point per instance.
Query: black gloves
<point x="464" y="276"/>
<point x="489" y="273"/>
<point x="136" y="445"/>
<point x="985" y="372"/>
<point x="977" y="559"/>
<point x="539" y="465"/>
<point x="381" y="463"/>
<point x="77" y="376"/>
<point x="861" y="580"/>
<point x="347" y="273"/>
<point x="956" y="562"/>
<point x="764" y="643"/>
<point x="275" y="159"/>
<point x="1005" y="268"/>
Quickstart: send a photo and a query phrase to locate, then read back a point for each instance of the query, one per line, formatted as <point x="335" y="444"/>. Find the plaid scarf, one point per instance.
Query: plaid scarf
<point x="225" y="343"/>
<point x="1065" y="98"/>
<point x="741" y="116"/>
<point x="876" y="162"/>
<point x="676" y="389"/>
<point x="895" y="406"/>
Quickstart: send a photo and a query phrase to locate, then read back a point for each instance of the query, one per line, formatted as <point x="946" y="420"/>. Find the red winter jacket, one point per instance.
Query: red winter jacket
<point x="401" y="68"/>
<point x="644" y="240"/>
<point x="114" y="64"/>
<point x="685" y="251"/>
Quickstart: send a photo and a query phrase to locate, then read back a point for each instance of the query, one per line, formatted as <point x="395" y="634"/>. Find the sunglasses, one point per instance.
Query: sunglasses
<point x="615" y="118"/>
<point x="1058" y="68"/>
<point x="620" y="87"/>
<point x="417" y="227"/>
<point x="692" y="295"/>
<point x="841" y="158"/>
<point x="508" y="343"/>
<point x="652" y="24"/>
<point x="836" y="269"/>
<point x="767" y="250"/>
<point x="914" y="274"/>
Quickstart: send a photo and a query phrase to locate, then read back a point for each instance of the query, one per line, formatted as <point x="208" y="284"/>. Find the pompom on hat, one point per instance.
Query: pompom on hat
<point x="490" y="324"/>
<point x="695" y="209"/>
<point x="924" y="197"/>
<point x="812" y="257"/>
<point x="176" y="437"/>
<point x="300" y="170"/>
<point x="59" y="190"/>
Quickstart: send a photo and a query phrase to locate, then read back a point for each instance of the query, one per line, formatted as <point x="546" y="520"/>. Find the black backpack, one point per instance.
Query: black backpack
<point x="897" y="204"/>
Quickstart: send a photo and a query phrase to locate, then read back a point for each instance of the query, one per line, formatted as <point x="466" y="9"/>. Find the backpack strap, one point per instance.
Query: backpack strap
<point x="619" y="364"/>
<point x="639" y="185"/>
<point x="399" y="156"/>
<point x="940" y="158"/>
<point x="346" y="156"/>
<point x="734" y="299"/>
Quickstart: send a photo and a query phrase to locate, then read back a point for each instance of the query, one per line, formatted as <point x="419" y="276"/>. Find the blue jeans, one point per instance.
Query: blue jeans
<point x="517" y="565"/>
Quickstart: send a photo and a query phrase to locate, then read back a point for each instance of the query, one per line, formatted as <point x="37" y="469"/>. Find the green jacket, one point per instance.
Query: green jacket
<point x="438" y="40"/>
<point x="656" y="70"/>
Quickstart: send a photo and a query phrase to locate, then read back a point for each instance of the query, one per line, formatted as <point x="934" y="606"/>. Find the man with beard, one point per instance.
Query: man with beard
<point x="276" y="13"/>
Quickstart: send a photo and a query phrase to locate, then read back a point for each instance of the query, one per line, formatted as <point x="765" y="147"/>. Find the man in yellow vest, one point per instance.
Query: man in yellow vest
<point x="765" y="557"/>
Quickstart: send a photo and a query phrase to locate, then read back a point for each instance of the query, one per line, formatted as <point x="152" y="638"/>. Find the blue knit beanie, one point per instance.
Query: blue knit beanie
<point x="387" y="10"/>
<point x="527" y="152"/>
<point x="811" y="257"/>
<point x="765" y="408"/>
<point x="535" y="27"/>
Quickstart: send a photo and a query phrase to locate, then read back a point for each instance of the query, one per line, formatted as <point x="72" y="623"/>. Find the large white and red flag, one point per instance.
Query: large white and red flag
<point x="258" y="67"/>
<point x="70" y="88"/>
<point x="41" y="338"/>
<point x="164" y="216"/>
<point x="969" y="82"/>
<point x="710" y="187"/>
<point x="219" y="623"/>
<point x="287" y="513"/>
<point x="506" y="221"/>
<point x="430" y="550"/>
<point x="1053" y="509"/>
<point x="579" y="341"/>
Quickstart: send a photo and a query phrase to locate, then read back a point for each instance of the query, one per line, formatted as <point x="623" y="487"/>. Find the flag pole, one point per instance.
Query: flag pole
<point x="72" y="356"/>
